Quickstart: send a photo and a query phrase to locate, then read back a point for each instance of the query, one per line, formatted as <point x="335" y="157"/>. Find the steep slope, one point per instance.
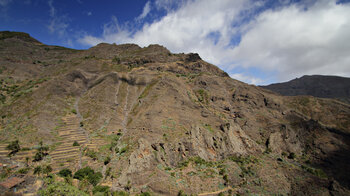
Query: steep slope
<point x="316" y="85"/>
<point x="168" y="122"/>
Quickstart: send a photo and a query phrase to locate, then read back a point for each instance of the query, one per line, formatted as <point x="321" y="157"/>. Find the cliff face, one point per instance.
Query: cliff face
<point x="169" y="122"/>
<point x="316" y="85"/>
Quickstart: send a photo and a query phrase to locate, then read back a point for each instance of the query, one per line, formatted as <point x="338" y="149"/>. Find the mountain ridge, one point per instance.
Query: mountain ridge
<point x="315" y="85"/>
<point x="165" y="123"/>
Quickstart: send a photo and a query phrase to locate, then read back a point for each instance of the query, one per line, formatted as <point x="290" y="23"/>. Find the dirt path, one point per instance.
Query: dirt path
<point x="76" y="107"/>
<point x="125" y="110"/>
<point x="215" y="192"/>
<point x="116" y="95"/>
<point x="222" y="190"/>
<point x="81" y="129"/>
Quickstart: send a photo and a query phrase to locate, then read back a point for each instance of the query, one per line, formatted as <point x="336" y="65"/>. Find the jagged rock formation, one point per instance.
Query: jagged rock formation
<point x="170" y="122"/>
<point x="316" y="85"/>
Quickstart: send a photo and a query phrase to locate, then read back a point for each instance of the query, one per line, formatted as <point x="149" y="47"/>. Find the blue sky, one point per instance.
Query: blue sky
<point x="255" y="41"/>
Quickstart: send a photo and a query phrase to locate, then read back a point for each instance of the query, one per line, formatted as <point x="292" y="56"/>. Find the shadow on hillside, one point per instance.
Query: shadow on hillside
<point x="337" y="164"/>
<point x="133" y="81"/>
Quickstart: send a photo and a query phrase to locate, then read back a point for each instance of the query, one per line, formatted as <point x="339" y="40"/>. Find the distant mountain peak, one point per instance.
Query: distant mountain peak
<point x="315" y="85"/>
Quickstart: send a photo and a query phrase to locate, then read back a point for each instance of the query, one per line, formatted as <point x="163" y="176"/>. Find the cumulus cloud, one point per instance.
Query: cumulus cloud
<point x="145" y="12"/>
<point x="246" y="78"/>
<point x="188" y="29"/>
<point x="295" y="41"/>
<point x="290" y="39"/>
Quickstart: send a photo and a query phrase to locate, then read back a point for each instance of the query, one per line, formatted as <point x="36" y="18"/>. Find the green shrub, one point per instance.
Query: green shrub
<point x="183" y="164"/>
<point x="38" y="156"/>
<point x="199" y="161"/>
<point x="123" y="150"/>
<point x="47" y="169"/>
<point x="24" y="170"/>
<point x="222" y="171"/>
<point x="13" y="147"/>
<point x="25" y="149"/>
<point x="317" y="172"/>
<point x="60" y="188"/>
<point x="292" y="155"/>
<point x="181" y="193"/>
<point x="95" y="178"/>
<point x="120" y="193"/>
<point x="2" y="98"/>
<point x="225" y="177"/>
<point x="38" y="170"/>
<point x="114" y="142"/>
<point x="116" y="149"/>
<point x="41" y="153"/>
<point x="108" y="172"/>
<point x="89" y="174"/>
<point x="116" y="60"/>
<point x="75" y="143"/>
<point x="101" y="189"/>
<point x="65" y="173"/>
<point x="202" y="96"/>
<point x="107" y="160"/>
<point x="241" y="160"/>
<point x="74" y="111"/>
<point x="84" y="172"/>
<point x="90" y="153"/>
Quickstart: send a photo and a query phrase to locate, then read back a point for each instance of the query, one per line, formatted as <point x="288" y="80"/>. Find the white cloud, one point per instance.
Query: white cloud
<point x="145" y="12"/>
<point x="89" y="13"/>
<point x="288" y="40"/>
<point x="246" y="78"/>
<point x="294" y="41"/>
<point x="184" y="30"/>
<point x="169" y="5"/>
<point x="58" y="24"/>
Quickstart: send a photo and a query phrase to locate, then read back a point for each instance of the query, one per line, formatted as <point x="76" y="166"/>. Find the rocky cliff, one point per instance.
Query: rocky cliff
<point x="167" y="123"/>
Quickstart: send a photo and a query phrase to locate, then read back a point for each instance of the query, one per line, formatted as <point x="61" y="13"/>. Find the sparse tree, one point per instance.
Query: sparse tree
<point x="75" y="143"/>
<point x="107" y="160"/>
<point x="47" y="170"/>
<point x="42" y="152"/>
<point x="13" y="147"/>
<point x="38" y="170"/>
<point x="27" y="161"/>
<point x="65" y="173"/>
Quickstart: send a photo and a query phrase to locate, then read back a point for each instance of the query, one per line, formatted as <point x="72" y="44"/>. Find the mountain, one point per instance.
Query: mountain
<point x="316" y="85"/>
<point x="127" y="119"/>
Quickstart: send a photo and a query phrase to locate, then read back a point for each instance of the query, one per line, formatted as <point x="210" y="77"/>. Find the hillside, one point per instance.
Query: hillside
<point x="316" y="85"/>
<point x="150" y="121"/>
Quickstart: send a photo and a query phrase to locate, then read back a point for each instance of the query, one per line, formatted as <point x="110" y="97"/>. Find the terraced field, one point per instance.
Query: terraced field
<point x="18" y="157"/>
<point x="66" y="155"/>
<point x="96" y="143"/>
<point x="3" y="151"/>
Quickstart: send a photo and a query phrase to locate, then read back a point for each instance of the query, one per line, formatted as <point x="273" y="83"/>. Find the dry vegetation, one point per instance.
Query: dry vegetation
<point x="125" y="120"/>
